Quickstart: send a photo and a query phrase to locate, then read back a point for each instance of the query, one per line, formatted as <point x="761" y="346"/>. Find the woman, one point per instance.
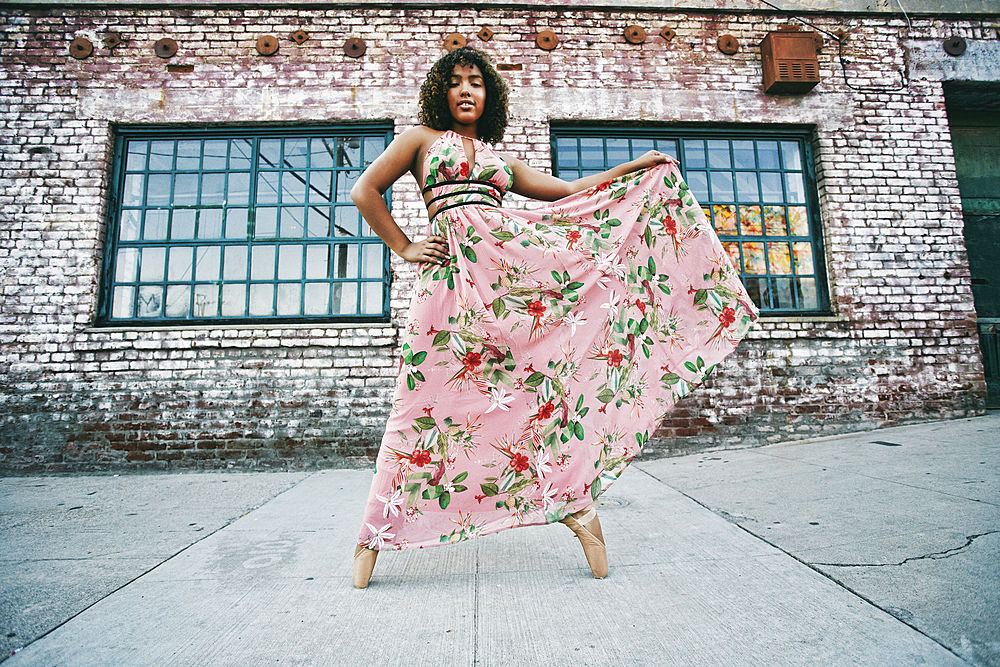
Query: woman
<point x="541" y="346"/>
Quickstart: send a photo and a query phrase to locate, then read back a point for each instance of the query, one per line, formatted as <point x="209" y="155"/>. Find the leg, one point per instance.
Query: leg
<point x="364" y="563"/>
<point x="587" y="527"/>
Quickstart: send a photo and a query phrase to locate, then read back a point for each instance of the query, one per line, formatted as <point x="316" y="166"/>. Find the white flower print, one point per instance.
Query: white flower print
<point x="393" y="503"/>
<point x="379" y="536"/>
<point x="501" y="399"/>
<point x="574" y="320"/>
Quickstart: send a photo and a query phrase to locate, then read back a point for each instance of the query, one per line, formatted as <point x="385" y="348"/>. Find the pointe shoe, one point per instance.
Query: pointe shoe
<point x="364" y="563"/>
<point x="587" y="527"/>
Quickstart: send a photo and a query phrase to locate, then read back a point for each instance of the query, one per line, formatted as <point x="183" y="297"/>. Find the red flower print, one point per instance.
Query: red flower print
<point x="572" y="236"/>
<point x="727" y="317"/>
<point x="420" y="458"/>
<point x="546" y="410"/>
<point x="641" y="306"/>
<point x="472" y="360"/>
<point x="615" y="358"/>
<point x="536" y="309"/>
<point x="519" y="462"/>
<point x="463" y="171"/>
<point x="670" y="225"/>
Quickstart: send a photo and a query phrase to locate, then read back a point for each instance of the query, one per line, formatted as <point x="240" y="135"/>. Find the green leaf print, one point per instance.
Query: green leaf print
<point x="441" y="338"/>
<point x="469" y="253"/>
<point x="419" y="357"/>
<point x="690" y="366"/>
<point x="490" y="489"/>
<point x="578" y="430"/>
<point x="444" y="499"/>
<point x="700" y="297"/>
<point x="606" y="396"/>
<point x="426" y="423"/>
<point x="595" y="488"/>
<point x="460" y="477"/>
<point x="411" y="384"/>
<point x="535" y="379"/>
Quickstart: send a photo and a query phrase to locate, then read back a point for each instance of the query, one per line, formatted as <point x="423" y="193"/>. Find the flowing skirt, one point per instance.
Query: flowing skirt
<point x="539" y="358"/>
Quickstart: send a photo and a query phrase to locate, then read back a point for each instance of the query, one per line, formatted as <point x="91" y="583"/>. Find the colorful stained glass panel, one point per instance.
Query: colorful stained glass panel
<point x="750" y="221"/>
<point x="798" y="220"/>
<point x="803" y="254"/>
<point x="725" y="219"/>
<point x="774" y="220"/>
<point x="780" y="259"/>
<point x="753" y="258"/>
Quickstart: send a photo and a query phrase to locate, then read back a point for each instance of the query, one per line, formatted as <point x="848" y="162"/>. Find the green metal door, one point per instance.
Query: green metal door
<point x="975" y="135"/>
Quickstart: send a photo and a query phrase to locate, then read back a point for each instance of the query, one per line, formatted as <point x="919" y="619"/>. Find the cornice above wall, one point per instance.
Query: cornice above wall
<point x="877" y="7"/>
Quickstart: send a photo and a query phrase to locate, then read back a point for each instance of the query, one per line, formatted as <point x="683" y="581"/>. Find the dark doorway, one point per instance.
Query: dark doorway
<point x="974" y="118"/>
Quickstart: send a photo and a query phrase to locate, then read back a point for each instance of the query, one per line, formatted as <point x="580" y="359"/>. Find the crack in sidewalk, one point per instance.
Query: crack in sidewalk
<point x="936" y="555"/>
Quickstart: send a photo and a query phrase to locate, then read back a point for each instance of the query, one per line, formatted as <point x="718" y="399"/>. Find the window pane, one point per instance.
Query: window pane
<point x="698" y="183"/>
<point x="261" y="300"/>
<point x="779" y="258"/>
<point x="290" y="262"/>
<point x="320" y="187"/>
<point x="182" y="224"/>
<point x="722" y="186"/>
<point x="178" y="301"/>
<point x="292" y="226"/>
<point x="618" y="151"/>
<point x="791" y="155"/>
<point x="640" y="146"/>
<point x="266" y="224"/>
<point x="206" y="301"/>
<point x="179" y="265"/>
<point x="161" y="155"/>
<point x="127" y="265"/>
<point x="796" y="189"/>
<point x="750" y="222"/>
<point x="798" y="220"/>
<point x="371" y="301"/>
<point x="151" y="267"/>
<point x="262" y="262"/>
<point x="317" y="299"/>
<point x="150" y="301"/>
<point x="293" y="187"/>
<point x="374" y="146"/>
<point x="158" y="189"/>
<point x="321" y="153"/>
<point x="185" y="190"/>
<point x="774" y="221"/>
<point x="724" y="219"/>
<point x="803" y="258"/>
<point x="296" y="153"/>
<point x="235" y="264"/>
<point x="136" y="156"/>
<point x="270" y="154"/>
<point x="208" y="263"/>
<point x="267" y="187"/>
<point x="372" y="264"/>
<point x="289" y="299"/>
<point x="234" y="300"/>
<point x="345" y="298"/>
<point x="236" y="223"/>
<point x="744" y="155"/>
<point x="128" y="226"/>
<point x="240" y="154"/>
<point x="349" y="152"/>
<point x="718" y="154"/>
<point x="566" y="153"/>
<point x="213" y="189"/>
<point x="592" y="153"/>
<point x="210" y="224"/>
<point x="694" y="154"/>
<point x="238" y="193"/>
<point x="317" y="262"/>
<point x="770" y="184"/>
<point x="123" y="302"/>
<point x="318" y="221"/>
<point x="808" y="298"/>
<point x="767" y="155"/>
<point x="132" y="193"/>
<point x="188" y="155"/>
<point x="345" y="258"/>
<point x="215" y="154"/>
<point x="668" y="147"/>
<point x="747" y="186"/>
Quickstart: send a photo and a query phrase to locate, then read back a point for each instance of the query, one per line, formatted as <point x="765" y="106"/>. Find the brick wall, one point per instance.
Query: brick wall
<point x="899" y="345"/>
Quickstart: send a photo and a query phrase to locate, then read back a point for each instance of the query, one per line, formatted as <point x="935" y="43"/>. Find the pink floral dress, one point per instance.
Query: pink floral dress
<point x="538" y="359"/>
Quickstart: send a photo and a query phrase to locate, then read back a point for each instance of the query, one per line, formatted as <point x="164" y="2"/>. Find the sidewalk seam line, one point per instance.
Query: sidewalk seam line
<point x="814" y="569"/>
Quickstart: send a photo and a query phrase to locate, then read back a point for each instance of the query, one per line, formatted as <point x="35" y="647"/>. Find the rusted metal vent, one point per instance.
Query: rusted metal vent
<point x="789" y="60"/>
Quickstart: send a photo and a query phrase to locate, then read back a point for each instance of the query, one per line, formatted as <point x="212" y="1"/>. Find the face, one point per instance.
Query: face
<point x="466" y="95"/>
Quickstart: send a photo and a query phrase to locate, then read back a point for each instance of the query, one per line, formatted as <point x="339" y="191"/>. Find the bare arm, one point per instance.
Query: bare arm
<point x="537" y="185"/>
<point x="399" y="158"/>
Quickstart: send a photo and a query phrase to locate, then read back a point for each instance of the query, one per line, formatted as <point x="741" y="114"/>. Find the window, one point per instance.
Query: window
<point x="243" y="226"/>
<point x="757" y="188"/>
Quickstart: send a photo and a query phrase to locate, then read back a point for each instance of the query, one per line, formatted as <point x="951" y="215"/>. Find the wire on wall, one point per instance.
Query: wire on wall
<point x="904" y="83"/>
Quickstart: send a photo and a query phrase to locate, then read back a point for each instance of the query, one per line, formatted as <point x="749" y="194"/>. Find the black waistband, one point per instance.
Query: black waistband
<point x="466" y="182"/>
<point x="463" y="203"/>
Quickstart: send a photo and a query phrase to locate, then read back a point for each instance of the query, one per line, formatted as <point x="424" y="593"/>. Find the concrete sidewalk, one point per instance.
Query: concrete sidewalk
<point x="879" y="548"/>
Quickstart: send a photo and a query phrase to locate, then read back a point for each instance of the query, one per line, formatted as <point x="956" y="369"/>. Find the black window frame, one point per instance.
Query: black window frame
<point x="803" y="136"/>
<point x="350" y="245"/>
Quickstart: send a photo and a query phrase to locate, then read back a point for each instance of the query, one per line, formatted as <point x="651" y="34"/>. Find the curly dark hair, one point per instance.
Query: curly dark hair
<point x="434" y="111"/>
